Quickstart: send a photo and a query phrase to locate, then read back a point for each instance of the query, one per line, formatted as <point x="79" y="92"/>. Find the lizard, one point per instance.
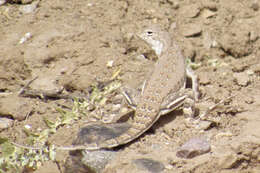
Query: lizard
<point x="163" y="91"/>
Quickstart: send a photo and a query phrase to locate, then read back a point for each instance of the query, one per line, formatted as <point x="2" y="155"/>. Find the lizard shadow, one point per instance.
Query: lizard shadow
<point x="100" y="132"/>
<point x="165" y="119"/>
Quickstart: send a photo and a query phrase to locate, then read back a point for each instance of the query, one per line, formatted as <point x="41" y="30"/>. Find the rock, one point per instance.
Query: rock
<point x="242" y="79"/>
<point x="25" y="9"/>
<point x="149" y="165"/>
<point x="22" y="1"/>
<point x="228" y="161"/>
<point x="26" y="37"/>
<point x="16" y="107"/>
<point x="2" y="2"/>
<point x="99" y="133"/>
<point x="94" y="161"/>
<point x="26" y="1"/>
<point x="5" y="123"/>
<point x="208" y="13"/>
<point x="194" y="147"/>
<point x="204" y="125"/>
<point x="97" y="160"/>
<point x="253" y="36"/>
<point x="235" y="40"/>
<point x="209" y="5"/>
<point x="190" y="11"/>
<point x="204" y="79"/>
<point x="255" y="6"/>
<point x="191" y="30"/>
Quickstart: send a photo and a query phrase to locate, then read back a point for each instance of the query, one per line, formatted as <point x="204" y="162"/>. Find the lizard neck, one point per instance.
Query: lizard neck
<point x="163" y="45"/>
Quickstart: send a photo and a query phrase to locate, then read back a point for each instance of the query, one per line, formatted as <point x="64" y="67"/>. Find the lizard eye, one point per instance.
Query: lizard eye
<point x="149" y="33"/>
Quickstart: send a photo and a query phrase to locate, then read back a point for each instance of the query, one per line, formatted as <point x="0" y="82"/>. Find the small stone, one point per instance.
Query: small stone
<point x="88" y="161"/>
<point x="204" y="79"/>
<point x="228" y="161"/>
<point x="25" y="38"/>
<point x="194" y="147"/>
<point x="255" y="6"/>
<point x="208" y="13"/>
<point x="97" y="160"/>
<point x="26" y="1"/>
<point x="94" y="161"/>
<point x="223" y="134"/>
<point x="18" y="110"/>
<point x="210" y="5"/>
<point x="204" y="125"/>
<point x="249" y="99"/>
<point x="149" y="165"/>
<point x="5" y="123"/>
<point x="141" y="58"/>
<point x="25" y="9"/>
<point x="192" y="30"/>
<point x="242" y="79"/>
<point x="27" y="126"/>
<point x="253" y="36"/>
<point x="191" y="11"/>
<point x="98" y="133"/>
<point x="2" y="2"/>
<point x="110" y="63"/>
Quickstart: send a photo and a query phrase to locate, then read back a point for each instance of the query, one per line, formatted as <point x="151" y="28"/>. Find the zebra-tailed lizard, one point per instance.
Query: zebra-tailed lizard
<point x="164" y="90"/>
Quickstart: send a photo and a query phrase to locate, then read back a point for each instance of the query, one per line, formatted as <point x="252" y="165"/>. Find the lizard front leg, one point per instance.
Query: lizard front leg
<point x="194" y="79"/>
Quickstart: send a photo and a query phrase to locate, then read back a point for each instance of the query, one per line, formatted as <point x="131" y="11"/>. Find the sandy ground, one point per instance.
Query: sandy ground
<point x="71" y="42"/>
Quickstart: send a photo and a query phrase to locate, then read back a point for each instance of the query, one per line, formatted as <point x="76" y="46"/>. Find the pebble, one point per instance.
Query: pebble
<point x="228" y="161"/>
<point x="191" y="11"/>
<point x="255" y="6"/>
<point x="110" y="63"/>
<point x="2" y="2"/>
<point x="191" y="30"/>
<point x="208" y="13"/>
<point x="25" y="38"/>
<point x="204" y="79"/>
<point x="98" y="133"/>
<point x="204" y="125"/>
<point x="194" y="147"/>
<point x="149" y="165"/>
<point x="26" y="9"/>
<point x="95" y="161"/>
<point x="242" y="78"/>
<point x="18" y="110"/>
<point x="5" y="123"/>
<point x="26" y="1"/>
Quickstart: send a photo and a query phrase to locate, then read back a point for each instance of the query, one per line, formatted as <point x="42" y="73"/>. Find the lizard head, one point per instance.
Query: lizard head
<point x="158" y="40"/>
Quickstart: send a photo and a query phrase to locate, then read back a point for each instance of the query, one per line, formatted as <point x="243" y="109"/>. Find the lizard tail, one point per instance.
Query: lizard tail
<point x="140" y="125"/>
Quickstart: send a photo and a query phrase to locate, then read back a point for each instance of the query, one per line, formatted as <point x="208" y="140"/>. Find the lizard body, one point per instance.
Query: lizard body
<point x="167" y="78"/>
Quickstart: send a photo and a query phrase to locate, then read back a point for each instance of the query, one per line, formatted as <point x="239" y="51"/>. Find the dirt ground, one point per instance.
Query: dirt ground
<point x="74" y="44"/>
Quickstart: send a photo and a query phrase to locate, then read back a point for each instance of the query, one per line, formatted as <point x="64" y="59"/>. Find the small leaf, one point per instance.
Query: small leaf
<point x="3" y="140"/>
<point x="115" y="74"/>
<point x="7" y="149"/>
<point x="29" y="133"/>
<point x="52" y="153"/>
<point x="49" y="123"/>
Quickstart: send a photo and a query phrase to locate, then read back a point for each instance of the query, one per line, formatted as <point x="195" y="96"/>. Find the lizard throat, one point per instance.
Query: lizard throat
<point x="157" y="46"/>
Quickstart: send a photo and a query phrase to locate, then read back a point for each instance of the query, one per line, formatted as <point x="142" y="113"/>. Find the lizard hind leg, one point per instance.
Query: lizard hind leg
<point x="184" y="98"/>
